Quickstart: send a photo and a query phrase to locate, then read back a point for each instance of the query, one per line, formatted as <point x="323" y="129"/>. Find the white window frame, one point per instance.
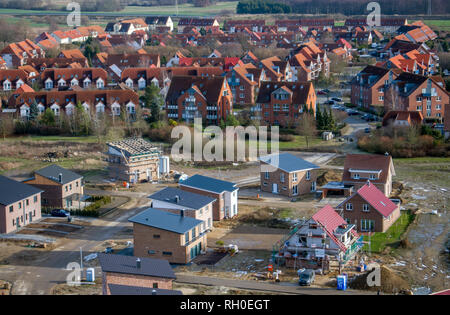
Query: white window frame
<point x="349" y="206"/>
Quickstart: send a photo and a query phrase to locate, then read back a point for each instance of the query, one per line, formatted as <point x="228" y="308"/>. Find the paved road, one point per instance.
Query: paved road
<point x="49" y="269"/>
<point x="263" y="286"/>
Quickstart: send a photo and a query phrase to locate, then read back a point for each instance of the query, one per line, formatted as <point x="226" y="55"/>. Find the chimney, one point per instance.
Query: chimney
<point x="138" y="263"/>
<point x="60" y="177"/>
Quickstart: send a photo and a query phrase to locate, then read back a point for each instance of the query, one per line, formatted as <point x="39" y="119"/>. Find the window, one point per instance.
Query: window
<point x="157" y="236"/>
<point x="151" y="252"/>
<point x="356" y="176"/>
<point x="66" y="188"/>
<point x="419" y="99"/>
<point x="349" y="206"/>
<point x="372" y="176"/>
<point x="11" y="209"/>
<point x="266" y="175"/>
<point x="20" y="205"/>
<point x="186" y="237"/>
<point x="365" y="207"/>
<point x="193" y="233"/>
<point x="367" y="225"/>
<point x="294" y="177"/>
<point x="282" y="177"/>
<point x="167" y="253"/>
<point x="35" y="199"/>
<point x="155" y="285"/>
<point x="308" y="175"/>
<point x="28" y="202"/>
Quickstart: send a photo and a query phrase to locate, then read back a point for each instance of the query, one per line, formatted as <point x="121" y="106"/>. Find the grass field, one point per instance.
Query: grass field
<point x="183" y="9"/>
<point x="441" y="24"/>
<point x="379" y="241"/>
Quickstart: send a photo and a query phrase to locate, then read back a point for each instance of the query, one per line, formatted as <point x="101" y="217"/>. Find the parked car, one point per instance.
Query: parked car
<point x="306" y="278"/>
<point x="351" y="112"/>
<point x="336" y="99"/>
<point x="367" y="130"/>
<point x="337" y="107"/>
<point x="329" y="103"/>
<point x="60" y="213"/>
<point x="321" y="93"/>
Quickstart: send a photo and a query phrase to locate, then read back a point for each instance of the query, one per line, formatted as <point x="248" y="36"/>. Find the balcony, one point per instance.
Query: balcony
<point x="211" y="108"/>
<point x="196" y="238"/>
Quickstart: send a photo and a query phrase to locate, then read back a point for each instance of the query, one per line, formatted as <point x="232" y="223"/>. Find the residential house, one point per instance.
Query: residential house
<point x="250" y="57"/>
<point x="197" y="24"/>
<point x="277" y="70"/>
<point x="368" y="86"/>
<point x="61" y="187"/>
<point x="138" y="271"/>
<point x="234" y="26"/>
<point x="164" y="235"/>
<point x="190" y="97"/>
<point x="12" y="79"/>
<point x="416" y="32"/>
<point x="193" y="205"/>
<point x="20" y="204"/>
<point x="82" y="77"/>
<point x="71" y="53"/>
<point x="308" y="61"/>
<point x="359" y="168"/>
<point x="159" y="22"/>
<point x="17" y="54"/>
<point x="3" y="64"/>
<point x="287" y="175"/>
<point x="402" y="118"/>
<point x="126" y="27"/>
<point x="225" y="194"/>
<point x="387" y="24"/>
<point x="41" y="64"/>
<point x="112" y="102"/>
<point x="324" y="238"/>
<point x="369" y="209"/>
<point x="282" y="103"/>
<point x="304" y="23"/>
<point x="411" y="92"/>
<point x="133" y="160"/>
<point x="226" y="63"/>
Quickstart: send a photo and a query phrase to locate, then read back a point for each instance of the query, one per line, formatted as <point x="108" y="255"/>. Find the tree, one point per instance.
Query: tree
<point x="48" y="118"/>
<point x="307" y="127"/>
<point x="154" y="101"/>
<point x="34" y="111"/>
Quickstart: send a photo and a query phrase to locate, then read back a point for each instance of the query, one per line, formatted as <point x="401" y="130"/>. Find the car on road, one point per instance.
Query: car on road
<point x="60" y="213"/>
<point x="336" y="99"/>
<point x="337" y="107"/>
<point x="306" y="278"/>
<point x="329" y="103"/>
<point x="351" y="112"/>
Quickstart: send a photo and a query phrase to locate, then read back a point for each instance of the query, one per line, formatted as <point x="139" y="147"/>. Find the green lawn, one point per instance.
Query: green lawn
<point x="379" y="241"/>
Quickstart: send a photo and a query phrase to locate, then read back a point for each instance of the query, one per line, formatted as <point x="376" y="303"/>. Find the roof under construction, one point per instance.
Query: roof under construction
<point x="134" y="147"/>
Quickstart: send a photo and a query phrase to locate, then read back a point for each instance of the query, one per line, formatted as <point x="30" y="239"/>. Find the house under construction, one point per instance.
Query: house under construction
<point x="325" y="239"/>
<point x="133" y="160"/>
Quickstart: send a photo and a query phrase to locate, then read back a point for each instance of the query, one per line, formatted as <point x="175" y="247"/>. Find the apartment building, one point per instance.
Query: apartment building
<point x="244" y="81"/>
<point x="17" y="54"/>
<point x="208" y="98"/>
<point x="282" y="103"/>
<point x="82" y="77"/>
<point x="12" y="79"/>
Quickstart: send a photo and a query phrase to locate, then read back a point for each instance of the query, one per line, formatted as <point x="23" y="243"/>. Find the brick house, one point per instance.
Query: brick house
<point x="61" y="187"/>
<point x="402" y="118"/>
<point x="164" y="235"/>
<point x="379" y="169"/>
<point x="41" y="64"/>
<point x="411" y="92"/>
<point x="81" y="77"/>
<point x="159" y="22"/>
<point x="369" y="209"/>
<point x="135" y="271"/>
<point x="244" y="81"/>
<point x="276" y="69"/>
<point x="209" y="98"/>
<point x="368" y="86"/>
<point x="287" y="175"/>
<point x="282" y="103"/>
<point x="198" y="24"/>
<point x="308" y="61"/>
<point x="233" y="26"/>
<point x="133" y="160"/>
<point x="17" y="54"/>
<point x="387" y="24"/>
<point x="20" y="204"/>
<point x="325" y="237"/>
<point x="225" y="194"/>
<point x="112" y="102"/>
<point x="193" y="205"/>
<point x="126" y="27"/>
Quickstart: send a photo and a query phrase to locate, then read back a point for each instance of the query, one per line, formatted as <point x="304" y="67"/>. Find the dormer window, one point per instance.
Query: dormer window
<point x="356" y="176"/>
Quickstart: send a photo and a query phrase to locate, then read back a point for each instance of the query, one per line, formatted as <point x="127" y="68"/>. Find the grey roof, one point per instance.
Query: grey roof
<point x="164" y="220"/>
<point x="12" y="191"/>
<point x="52" y="172"/>
<point x="117" y="289"/>
<point x="288" y="162"/>
<point x="127" y="264"/>
<point x="208" y="183"/>
<point x="185" y="198"/>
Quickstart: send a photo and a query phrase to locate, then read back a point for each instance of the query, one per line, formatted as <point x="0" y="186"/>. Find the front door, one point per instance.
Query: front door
<point x="275" y="188"/>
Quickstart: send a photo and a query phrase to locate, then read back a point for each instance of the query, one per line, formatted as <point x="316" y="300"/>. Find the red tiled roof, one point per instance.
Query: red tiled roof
<point x="377" y="199"/>
<point x="330" y="220"/>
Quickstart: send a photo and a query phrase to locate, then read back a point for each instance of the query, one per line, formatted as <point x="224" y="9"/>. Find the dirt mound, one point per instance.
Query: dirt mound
<point x="390" y="282"/>
<point x="268" y="217"/>
<point x="329" y="176"/>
